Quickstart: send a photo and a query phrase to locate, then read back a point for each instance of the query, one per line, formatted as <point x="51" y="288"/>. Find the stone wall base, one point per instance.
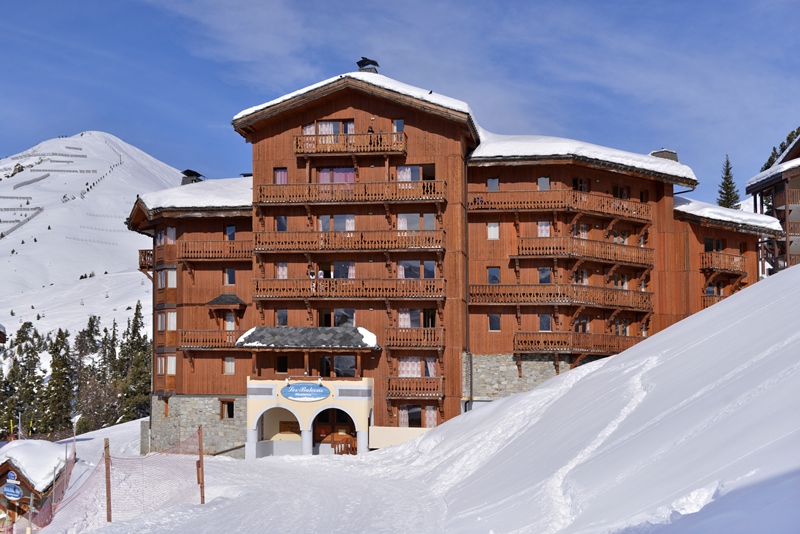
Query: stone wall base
<point x="493" y="376"/>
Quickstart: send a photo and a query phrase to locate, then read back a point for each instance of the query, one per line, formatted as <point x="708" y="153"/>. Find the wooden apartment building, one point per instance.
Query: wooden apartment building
<point x="390" y="263"/>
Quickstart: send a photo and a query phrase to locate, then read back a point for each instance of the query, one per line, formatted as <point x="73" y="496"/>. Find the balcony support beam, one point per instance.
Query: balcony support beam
<point x="577" y="361"/>
<point x="611" y="225"/>
<point x="189" y="268"/>
<point x="611" y="318"/>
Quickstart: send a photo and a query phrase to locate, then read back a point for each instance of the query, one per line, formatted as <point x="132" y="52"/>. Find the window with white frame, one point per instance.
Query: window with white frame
<point x="171" y="364"/>
<point x="493" y="184"/>
<point x="172" y="278"/>
<point x="162" y="322"/>
<point x="171" y="235"/>
<point x="160" y="365"/>
<point x="494" y="322"/>
<point x="544" y="229"/>
<point x="544" y="183"/>
<point x="172" y="321"/>
<point x="493" y="230"/>
<point x="282" y="270"/>
<point x="229" y="366"/>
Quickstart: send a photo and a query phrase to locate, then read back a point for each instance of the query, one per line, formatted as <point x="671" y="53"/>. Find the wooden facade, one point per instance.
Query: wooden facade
<point x="436" y="254"/>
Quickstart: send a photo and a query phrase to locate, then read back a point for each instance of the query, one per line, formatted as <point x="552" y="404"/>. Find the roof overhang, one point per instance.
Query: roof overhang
<point x="142" y="219"/>
<point x="726" y="225"/>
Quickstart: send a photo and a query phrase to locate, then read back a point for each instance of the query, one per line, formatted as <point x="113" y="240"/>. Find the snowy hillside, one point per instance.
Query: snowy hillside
<point x="693" y="430"/>
<point x="63" y="205"/>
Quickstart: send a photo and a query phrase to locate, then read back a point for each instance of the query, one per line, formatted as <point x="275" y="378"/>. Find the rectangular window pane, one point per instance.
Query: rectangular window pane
<point x="408" y="174"/>
<point x="408" y="269"/>
<point x="344" y="222"/>
<point x="172" y="278"/>
<point x="544" y="183"/>
<point x="281" y="317"/>
<point x="544" y="229"/>
<point x="493" y="184"/>
<point x="230" y="321"/>
<point x="324" y="366"/>
<point x="281" y="270"/>
<point x="170" y="235"/>
<point x="414" y="318"/>
<point x="494" y="322"/>
<point x="282" y="364"/>
<point x="344" y="366"/>
<point x="544" y="275"/>
<point x="230" y="232"/>
<point x="230" y="366"/>
<point x="230" y="276"/>
<point x="160" y="367"/>
<point x="324" y="223"/>
<point x="398" y="125"/>
<point x="544" y="322"/>
<point x="344" y="269"/>
<point x="161" y="321"/>
<point x="429" y="221"/>
<point x="493" y="230"/>
<point x="281" y="176"/>
<point x="344" y="317"/>
<point x="171" y="364"/>
<point x="493" y="276"/>
<point x="430" y="269"/>
<point x="172" y="321"/>
<point x="408" y="221"/>
<point x="415" y="416"/>
<point x="280" y="223"/>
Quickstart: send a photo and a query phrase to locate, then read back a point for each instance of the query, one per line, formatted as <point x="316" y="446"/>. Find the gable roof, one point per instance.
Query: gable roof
<point x="706" y="214"/>
<point x="309" y="337"/>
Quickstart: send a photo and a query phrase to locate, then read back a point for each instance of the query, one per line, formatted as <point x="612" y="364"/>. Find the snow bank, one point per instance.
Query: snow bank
<point x="36" y="460"/>
<point x="718" y="213"/>
<point x="222" y="193"/>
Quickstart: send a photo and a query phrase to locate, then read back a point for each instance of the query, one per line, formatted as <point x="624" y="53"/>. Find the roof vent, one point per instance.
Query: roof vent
<point x="367" y="65"/>
<point x="191" y="177"/>
<point x="665" y="153"/>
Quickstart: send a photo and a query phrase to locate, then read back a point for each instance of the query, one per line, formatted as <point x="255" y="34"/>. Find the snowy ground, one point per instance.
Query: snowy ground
<point x="693" y="430"/>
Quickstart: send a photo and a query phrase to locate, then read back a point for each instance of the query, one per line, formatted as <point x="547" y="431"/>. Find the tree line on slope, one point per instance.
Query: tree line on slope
<point x="101" y="377"/>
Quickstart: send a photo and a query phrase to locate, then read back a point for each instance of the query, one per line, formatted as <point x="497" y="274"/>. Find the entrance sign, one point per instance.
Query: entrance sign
<point x="11" y="475"/>
<point x="305" y="392"/>
<point x="11" y="492"/>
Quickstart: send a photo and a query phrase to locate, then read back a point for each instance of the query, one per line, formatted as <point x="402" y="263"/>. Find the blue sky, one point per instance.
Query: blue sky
<point x="702" y="78"/>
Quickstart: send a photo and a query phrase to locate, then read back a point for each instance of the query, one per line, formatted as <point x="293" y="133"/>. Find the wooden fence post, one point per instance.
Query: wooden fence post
<point x="201" y="479"/>
<point x="108" y="480"/>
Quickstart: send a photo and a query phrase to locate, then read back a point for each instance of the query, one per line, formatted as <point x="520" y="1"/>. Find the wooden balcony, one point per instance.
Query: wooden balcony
<point x="370" y="240"/>
<point x="361" y="192"/>
<point x="414" y="338"/>
<point x="208" y="339"/>
<point x="215" y="250"/>
<point x="349" y="288"/>
<point x="560" y="200"/>
<point x="710" y="300"/>
<point x="719" y="261"/>
<point x="573" y="247"/>
<point x="572" y="342"/>
<point x="559" y="294"/>
<point x="146" y="260"/>
<point x="794" y="198"/>
<point x="350" y="144"/>
<point x="399" y="387"/>
<point x="794" y="228"/>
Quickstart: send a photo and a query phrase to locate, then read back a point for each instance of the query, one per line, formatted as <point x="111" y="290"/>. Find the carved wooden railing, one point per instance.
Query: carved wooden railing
<point x="146" y="261"/>
<point x="413" y="337"/>
<point x="572" y="342"/>
<point x="559" y="199"/>
<point x="414" y="387"/>
<point x="208" y="339"/>
<point x="584" y="248"/>
<point x="710" y="300"/>
<point x="215" y="250"/>
<point x="557" y="294"/>
<point x="351" y="143"/>
<point x="420" y="191"/>
<point x="719" y="261"/>
<point x="794" y="197"/>
<point x="344" y="444"/>
<point x="356" y="240"/>
<point x="320" y="288"/>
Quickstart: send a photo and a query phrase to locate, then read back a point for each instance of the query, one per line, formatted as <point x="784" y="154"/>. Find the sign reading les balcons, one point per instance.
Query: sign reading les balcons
<point x="305" y="392"/>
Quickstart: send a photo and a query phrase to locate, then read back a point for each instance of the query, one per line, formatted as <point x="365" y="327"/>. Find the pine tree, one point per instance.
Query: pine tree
<point x="134" y="368"/>
<point x="776" y="152"/>
<point x="728" y="193"/>
<point x="26" y="379"/>
<point x="59" y="393"/>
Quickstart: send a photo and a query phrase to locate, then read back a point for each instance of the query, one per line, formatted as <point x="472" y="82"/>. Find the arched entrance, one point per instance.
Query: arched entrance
<point x="334" y="431"/>
<point x="278" y="433"/>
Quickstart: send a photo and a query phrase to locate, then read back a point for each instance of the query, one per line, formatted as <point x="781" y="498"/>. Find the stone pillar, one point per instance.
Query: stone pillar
<point x="306" y="443"/>
<point x="362" y="441"/>
<point x="251" y="444"/>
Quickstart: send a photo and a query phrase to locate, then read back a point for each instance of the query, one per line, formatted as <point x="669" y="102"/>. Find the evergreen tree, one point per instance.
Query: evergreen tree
<point x="728" y="193"/>
<point x="26" y="380"/>
<point x="58" y="395"/>
<point x="776" y="152"/>
<point x="134" y="368"/>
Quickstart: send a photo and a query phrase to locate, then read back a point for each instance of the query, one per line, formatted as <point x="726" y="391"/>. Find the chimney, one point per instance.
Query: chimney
<point x="665" y="153"/>
<point x="367" y="65"/>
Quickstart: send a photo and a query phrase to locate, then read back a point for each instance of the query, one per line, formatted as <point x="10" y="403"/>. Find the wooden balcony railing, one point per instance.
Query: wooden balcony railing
<point x="364" y="143"/>
<point x="719" y="261"/>
<point x="146" y="261"/>
<point x="337" y="288"/>
<point x="572" y="342"/>
<point x="370" y="192"/>
<point x="559" y="199"/>
<point x="557" y="294"/>
<point x="573" y="247"/>
<point x="710" y="300"/>
<point x="215" y="250"/>
<point x="398" y="387"/>
<point x="794" y="228"/>
<point x="412" y="338"/>
<point x="794" y="259"/>
<point x="208" y="339"/>
<point x="371" y="240"/>
<point x="794" y="197"/>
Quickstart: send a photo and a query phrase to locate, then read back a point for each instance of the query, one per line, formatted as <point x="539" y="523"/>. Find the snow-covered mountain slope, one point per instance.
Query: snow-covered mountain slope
<point x="693" y="430"/>
<point x="63" y="216"/>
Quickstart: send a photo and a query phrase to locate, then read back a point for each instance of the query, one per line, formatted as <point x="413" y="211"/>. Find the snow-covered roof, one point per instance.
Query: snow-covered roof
<point x="222" y="193"/>
<point x="789" y="150"/>
<point x="36" y="460"/>
<point x="745" y="221"/>
<point x="378" y="80"/>
<point x="776" y="170"/>
<point x="336" y="337"/>
<point x="494" y="147"/>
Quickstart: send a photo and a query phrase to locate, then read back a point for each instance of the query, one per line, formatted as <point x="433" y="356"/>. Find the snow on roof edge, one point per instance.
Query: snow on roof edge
<point x="776" y="169"/>
<point x="215" y="193"/>
<point x="727" y="215"/>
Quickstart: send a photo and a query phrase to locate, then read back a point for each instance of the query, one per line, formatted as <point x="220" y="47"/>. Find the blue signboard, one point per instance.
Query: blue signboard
<point x="12" y="492"/>
<point x="305" y="392"/>
<point x="11" y="476"/>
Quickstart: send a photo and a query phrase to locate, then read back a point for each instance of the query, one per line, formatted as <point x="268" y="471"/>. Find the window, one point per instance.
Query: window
<point x="398" y="125"/>
<point x="544" y="228"/>
<point x="622" y="327"/>
<point x="430" y="269"/>
<point x="336" y="175"/>
<point x="409" y="173"/>
<point x="161" y="279"/>
<point x="429" y="367"/>
<point x="344" y="366"/>
<point x="171" y="364"/>
<point x="172" y="278"/>
<point x="708" y="244"/>
<point x="229" y="276"/>
<point x="161" y="322"/>
<point x="230" y="232"/>
<point x="160" y="237"/>
<point x="408" y="269"/>
<point x="644" y="330"/>
<point x="545" y="321"/>
<point x="720" y="245"/>
<point x="642" y="240"/>
<point x="172" y="321"/>
<point x="580" y="184"/>
<point x="408" y="318"/>
<point x="170" y="235"/>
<point x="494" y="322"/>
<point x="344" y="269"/>
<point x="428" y="221"/>
<point x="281" y="317"/>
<point x="280" y="223"/>
<point x="582" y="324"/>
<point x="644" y="196"/>
<point x="324" y="366"/>
<point x="582" y="277"/>
<point x="493" y="184"/>
<point x="710" y="290"/>
<point x="333" y="127"/>
<point x="621" y="191"/>
<point x="230" y="321"/>
<point x="409" y="416"/>
<point x="582" y="231"/>
<point x="429" y="318"/>
<point x="408" y="221"/>
<point x="282" y="364"/>
<point x="281" y="270"/>
<point x="160" y="365"/>
<point x="281" y="176"/>
<point x="544" y="275"/>
<point x="643" y="284"/>
<point x="544" y="183"/>
<point x="493" y="229"/>
<point x="226" y="408"/>
<point x="343" y="222"/>
<point x="621" y="281"/>
<point x="344" y="317"/>
<point x="742" y="247"/>
<point x="493" y="275"/>
<point x="229" y="366"/>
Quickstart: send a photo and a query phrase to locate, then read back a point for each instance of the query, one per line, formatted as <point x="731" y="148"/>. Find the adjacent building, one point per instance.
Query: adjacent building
<point x="389" y="264"/>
